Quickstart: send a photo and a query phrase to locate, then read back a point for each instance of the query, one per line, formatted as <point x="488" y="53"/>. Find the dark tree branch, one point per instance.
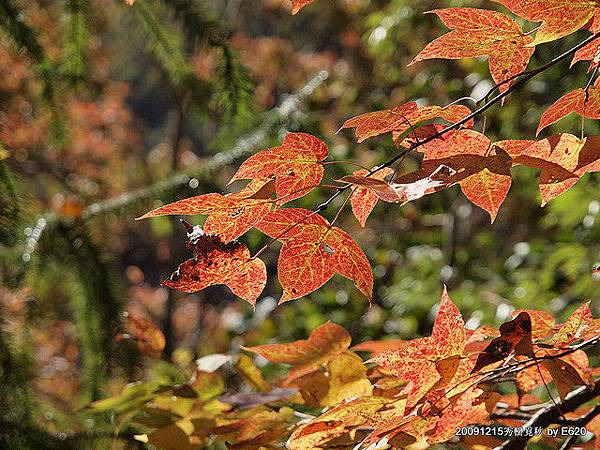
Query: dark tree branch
<point x="551" y="414"/>
<point x="581" y="422"/>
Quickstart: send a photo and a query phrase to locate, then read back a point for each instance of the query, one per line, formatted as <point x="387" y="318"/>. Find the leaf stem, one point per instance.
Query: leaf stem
<point x="346" y="162"/>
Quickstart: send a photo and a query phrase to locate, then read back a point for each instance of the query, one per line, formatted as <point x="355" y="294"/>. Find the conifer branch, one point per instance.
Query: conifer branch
<point x="76" y="40"/>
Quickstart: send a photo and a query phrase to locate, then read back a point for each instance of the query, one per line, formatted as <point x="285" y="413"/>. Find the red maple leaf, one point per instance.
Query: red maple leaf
<point x="515" y="336"/>
<point x="149" y="337"/>
<point x="401" y="119"/>
<point x="586" y="104"/>
<point x="480" y="32"/>
<point x="567" y="371"/>
<point x="591" y="52"/>
<point x="307" y="355"/>
<point x="229" y="215"/>
<point x="424" y="362"/>
<point x="217" y="262"/>
<point x="470" y="407"/>
<point x="395" y="192"/>
<point x="313" y="251"/>
<point x="573" y="328"/>
<point x="295" y="164"/>
<point x="559" y="17"/>
<point x="297" y="5"/>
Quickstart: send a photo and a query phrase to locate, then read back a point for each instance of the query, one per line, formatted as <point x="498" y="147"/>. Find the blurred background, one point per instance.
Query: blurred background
<point x="108" y="110"/>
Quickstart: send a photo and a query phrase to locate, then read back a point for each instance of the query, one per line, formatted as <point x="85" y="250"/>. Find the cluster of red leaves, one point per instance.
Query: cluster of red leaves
<point x="313" y="249"/>
<point x="409" y="392"/>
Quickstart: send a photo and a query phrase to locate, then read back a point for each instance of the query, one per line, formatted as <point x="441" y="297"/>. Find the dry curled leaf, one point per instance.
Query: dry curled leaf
<point x="217" y="262"/>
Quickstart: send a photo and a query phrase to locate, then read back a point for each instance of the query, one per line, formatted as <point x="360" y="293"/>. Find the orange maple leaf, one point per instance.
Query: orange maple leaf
<point x="341" y="420"/>
<point x="307" y="355"/>
<point x="470" y="407"/>
<point x="515" y="336"/>
<point x="573" y="328"/>
<point x="563" y="158"/>
<point x="150" y="339"/>
<point x="396" y="192"/>
<point x="542" y="322"/>
<point x="401" y="119"/>
<point x="229" y="215"/>
<point x="559" y="17"/>
<point x="420" y="361"/>
<point x="567" y="371"/>
<point x="313" y="251"/>
<point x="297" y="5"/>
<point x="480" y="32"/>
<point x="586" y="104"/>
<point x="217" y="262"/>
<point x="295" y="164"/>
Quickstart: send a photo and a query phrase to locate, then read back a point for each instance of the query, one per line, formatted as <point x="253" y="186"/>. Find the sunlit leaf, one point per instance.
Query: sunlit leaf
<point x="559" y="17"/>
<point x="313" y="251"/>
<point x="307" y="355"/>
<point x="481" y="32"/>
<point x="295" y="165"/>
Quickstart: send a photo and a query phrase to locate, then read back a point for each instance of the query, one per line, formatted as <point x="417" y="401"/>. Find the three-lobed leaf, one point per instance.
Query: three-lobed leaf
<point x="419" y="361"/>
<point x="559" y="17"/>
<point x="401" y="119"/>
<point x="365" y="193"/>
<point x="562" y="158"/>
<point x="313" y="251"/>
<point x="480" y="32"/>
<point x="307" y="355"/>
<point x="482" y="172"/>
<point x="584" y="102"/>
<point x="229" y="215"/>
<point x="295" y="165"/>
